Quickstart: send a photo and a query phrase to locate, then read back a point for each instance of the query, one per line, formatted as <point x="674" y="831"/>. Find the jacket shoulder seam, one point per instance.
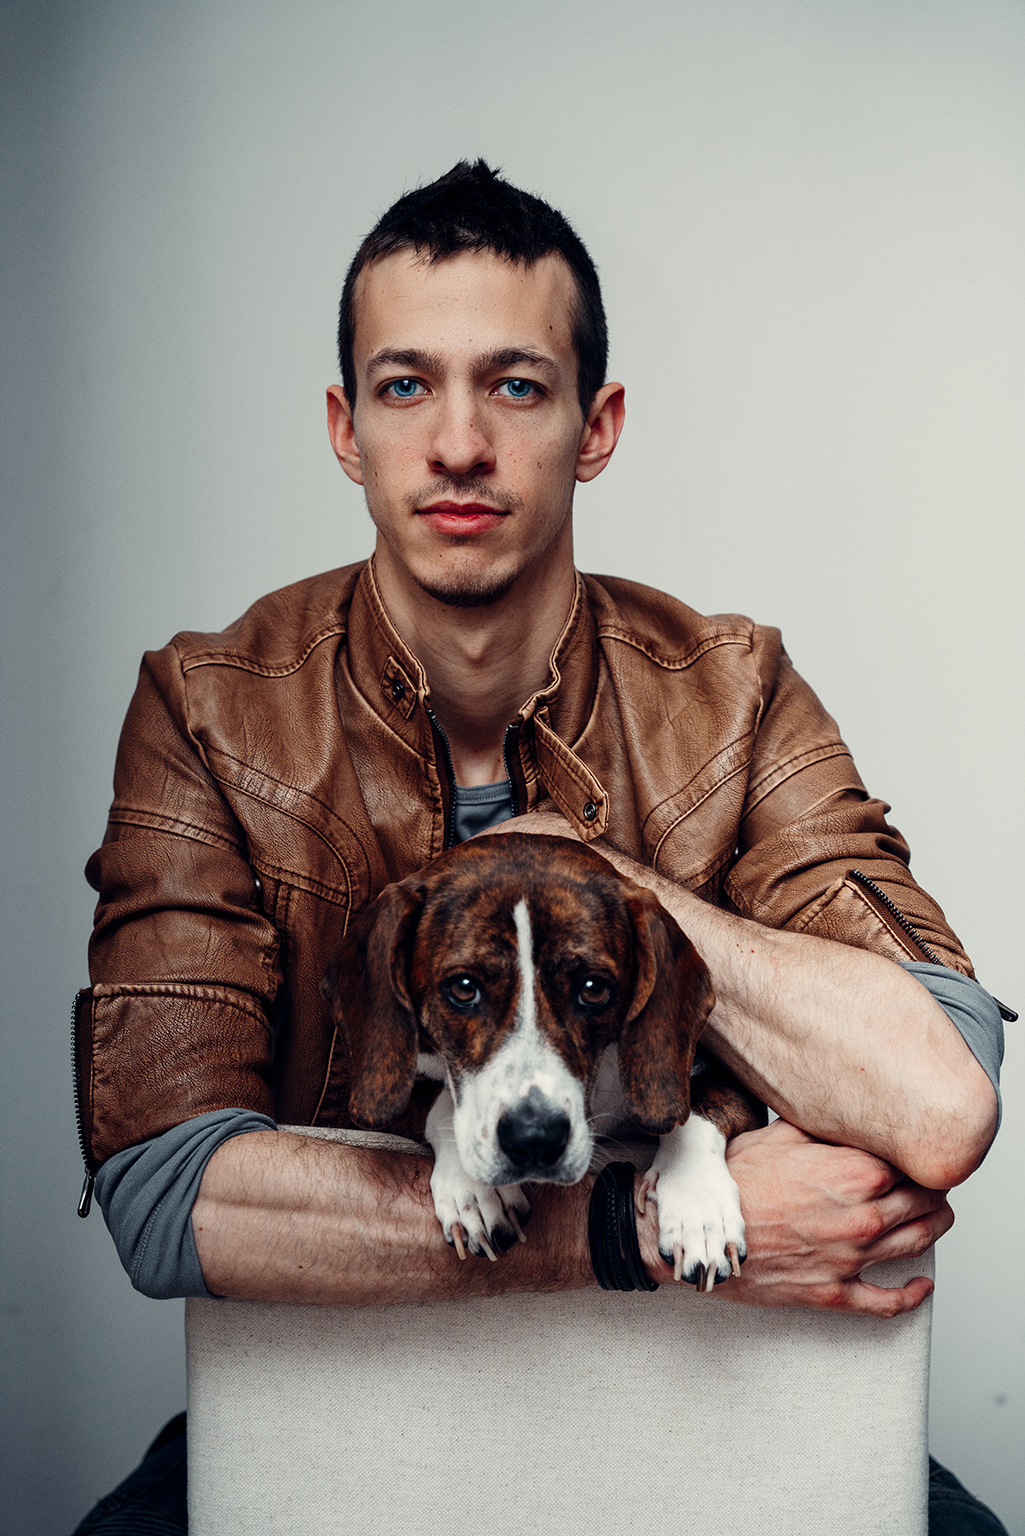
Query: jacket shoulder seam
<point x="242" y="662"/>
<point x="676" y="663"/>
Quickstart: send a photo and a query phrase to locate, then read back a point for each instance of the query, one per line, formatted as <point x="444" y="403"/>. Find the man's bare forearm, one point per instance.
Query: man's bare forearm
<point x="281" y="1217"/>
<point x="289" y="1218"/>
<point x="838" y="1040"/>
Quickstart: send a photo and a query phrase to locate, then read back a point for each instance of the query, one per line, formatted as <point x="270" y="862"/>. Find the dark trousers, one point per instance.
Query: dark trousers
<point x="151" y="1500"/>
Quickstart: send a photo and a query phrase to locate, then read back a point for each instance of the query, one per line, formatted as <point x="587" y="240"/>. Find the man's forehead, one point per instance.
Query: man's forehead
<point x="402" y="297"/>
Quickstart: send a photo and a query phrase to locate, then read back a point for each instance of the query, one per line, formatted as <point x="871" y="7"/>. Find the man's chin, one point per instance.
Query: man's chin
<point x="467" y="592"/>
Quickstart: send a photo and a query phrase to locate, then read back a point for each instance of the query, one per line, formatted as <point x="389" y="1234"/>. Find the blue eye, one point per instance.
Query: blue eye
<point x="404" y="389"/>
<point x="519" y="389"/>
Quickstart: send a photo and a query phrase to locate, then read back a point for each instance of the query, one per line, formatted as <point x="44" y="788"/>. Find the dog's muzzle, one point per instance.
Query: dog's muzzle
<point x="533" y="1135"/>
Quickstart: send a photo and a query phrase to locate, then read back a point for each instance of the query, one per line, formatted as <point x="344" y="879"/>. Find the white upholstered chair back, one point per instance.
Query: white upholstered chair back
<point x="579" y="1414"/>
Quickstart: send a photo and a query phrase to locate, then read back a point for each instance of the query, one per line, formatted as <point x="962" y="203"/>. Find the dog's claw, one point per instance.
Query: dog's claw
<point x="677" y="1262"/>
<point x="734" y="1258"/>
<point x="484" y="1220"/>
<point x="707" y="1280"/>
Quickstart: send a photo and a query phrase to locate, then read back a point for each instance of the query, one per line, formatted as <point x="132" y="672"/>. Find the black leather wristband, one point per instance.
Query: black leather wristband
<point x="596" y="1235"/>
<point x="612" y="1232"/>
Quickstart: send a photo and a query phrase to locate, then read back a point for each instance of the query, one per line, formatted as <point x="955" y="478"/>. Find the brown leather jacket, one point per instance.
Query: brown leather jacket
<point x="273" y="778"/>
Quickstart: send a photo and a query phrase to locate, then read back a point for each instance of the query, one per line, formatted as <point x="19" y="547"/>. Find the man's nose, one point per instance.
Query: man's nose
<point x="460" y="444"/>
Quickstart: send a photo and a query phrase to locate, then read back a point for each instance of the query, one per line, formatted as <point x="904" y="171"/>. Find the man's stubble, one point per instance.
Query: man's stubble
<point x="465" y="591"/>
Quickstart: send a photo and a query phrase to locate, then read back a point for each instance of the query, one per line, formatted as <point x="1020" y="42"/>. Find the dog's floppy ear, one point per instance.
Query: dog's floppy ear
<point x="672" y="1000"/>
<point x="367" y="986"/>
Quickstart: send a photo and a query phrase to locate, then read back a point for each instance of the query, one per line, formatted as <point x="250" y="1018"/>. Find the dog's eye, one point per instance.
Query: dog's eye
<point x="594" y="992"/>
<point x="463" y="991"/>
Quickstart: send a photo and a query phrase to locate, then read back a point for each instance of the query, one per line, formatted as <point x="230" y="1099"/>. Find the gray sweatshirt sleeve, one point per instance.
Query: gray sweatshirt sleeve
<point x="973" y="1012"/>
<point x="146" y="1194"/>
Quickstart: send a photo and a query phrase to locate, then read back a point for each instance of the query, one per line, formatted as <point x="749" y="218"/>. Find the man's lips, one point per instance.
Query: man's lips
<point x="463" y="519"/>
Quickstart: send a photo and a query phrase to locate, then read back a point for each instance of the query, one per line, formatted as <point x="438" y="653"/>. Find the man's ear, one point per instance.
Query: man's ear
<point x="342" y="433"/>
<point x="601" y="431"/>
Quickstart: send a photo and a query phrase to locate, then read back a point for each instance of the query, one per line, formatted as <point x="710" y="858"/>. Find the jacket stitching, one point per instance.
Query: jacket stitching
<point x="695" y="879"/>
<point x="295" y="879"/>
<point x="713" y="789"/>
<point x="847" y="885"/>
<point x="387" y="725"/>
<point x="779" y="773"/>
<point x="152" y="821"/>
<point x="244" y="663"/>
<point x="198" y="992"/>
<point x="275" y="950"/>
<point x="724" y="752"/>
<point x="675" y="663"/>
<point x="250" y="771"/>
<point x="304" y="822"/>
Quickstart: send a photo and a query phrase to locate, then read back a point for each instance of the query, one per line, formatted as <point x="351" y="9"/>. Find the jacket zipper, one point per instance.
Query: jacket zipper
<point x="511" y="734"/>
<point x="1006" y="1013"/>
<point x="449" y="828"/>
<point x="896" y="914"/>
<point x="85" y="1199"/>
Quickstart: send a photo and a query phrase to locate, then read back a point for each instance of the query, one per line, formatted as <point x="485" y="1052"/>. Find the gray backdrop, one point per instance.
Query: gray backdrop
<point x="809" y="223"/>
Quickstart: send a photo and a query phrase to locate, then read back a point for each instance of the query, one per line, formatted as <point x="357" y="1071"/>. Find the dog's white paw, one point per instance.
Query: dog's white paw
<point x="700" y="1227"/>
<point x="486" y="1219"/>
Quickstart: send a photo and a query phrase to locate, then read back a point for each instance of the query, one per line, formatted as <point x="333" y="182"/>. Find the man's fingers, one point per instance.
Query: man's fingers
<point x="880" y="1300"/>
<point x="912" y="1239"/>
<point x="909" y="1203"/>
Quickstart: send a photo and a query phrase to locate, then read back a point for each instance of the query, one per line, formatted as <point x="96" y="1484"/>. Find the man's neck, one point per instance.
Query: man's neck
<point x="482" y="663"/>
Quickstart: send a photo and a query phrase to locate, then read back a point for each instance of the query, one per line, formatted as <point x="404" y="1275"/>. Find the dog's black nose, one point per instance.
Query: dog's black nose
<point x="534" y="1134"/>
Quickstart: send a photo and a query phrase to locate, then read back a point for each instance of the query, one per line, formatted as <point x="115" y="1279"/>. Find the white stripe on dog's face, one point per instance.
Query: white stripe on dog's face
<point x="524" y="1061"/>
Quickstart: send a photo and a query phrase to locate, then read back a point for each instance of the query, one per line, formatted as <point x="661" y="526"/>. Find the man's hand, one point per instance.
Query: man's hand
<point x="817" y="1215"/>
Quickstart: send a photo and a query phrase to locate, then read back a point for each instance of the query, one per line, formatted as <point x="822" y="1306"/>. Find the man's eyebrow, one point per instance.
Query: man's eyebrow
<point x="418" y="361"/>
<point x="509" y="357"/>
<point x="408" y="357"/>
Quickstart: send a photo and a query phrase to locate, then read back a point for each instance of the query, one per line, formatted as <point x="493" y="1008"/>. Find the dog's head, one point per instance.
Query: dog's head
<point x="516" y="960"/>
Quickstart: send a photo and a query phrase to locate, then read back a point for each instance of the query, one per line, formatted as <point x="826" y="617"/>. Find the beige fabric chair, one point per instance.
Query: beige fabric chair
<point x="581" y="1414"/>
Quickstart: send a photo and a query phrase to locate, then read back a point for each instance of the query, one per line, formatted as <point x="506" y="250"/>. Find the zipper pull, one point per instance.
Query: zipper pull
<point x="85" y="1199"/>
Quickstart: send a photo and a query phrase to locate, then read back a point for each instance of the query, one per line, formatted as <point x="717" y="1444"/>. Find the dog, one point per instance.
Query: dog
<point x="548" y="996"/>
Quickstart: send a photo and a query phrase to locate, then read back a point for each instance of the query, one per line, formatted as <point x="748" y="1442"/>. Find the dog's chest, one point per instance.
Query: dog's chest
<point x="608" y="1113"/>
<point x="608" y="1110"/>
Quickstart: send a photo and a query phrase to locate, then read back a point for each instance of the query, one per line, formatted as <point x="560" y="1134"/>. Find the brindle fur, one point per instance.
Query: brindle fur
<point x="384" y="983"/>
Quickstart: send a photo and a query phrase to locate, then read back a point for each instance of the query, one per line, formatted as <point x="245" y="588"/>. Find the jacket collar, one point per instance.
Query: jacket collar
<point x="393" y="683"/>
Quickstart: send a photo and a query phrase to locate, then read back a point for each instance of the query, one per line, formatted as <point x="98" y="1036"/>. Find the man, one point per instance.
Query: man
<point x="276" y="777"/>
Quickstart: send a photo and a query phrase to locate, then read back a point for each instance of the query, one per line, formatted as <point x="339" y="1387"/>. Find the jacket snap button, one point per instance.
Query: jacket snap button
<point x="398" y="689"/>
<point x="590" y="811"/>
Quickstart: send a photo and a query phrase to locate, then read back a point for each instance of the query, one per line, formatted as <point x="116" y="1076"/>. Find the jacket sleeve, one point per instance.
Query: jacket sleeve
<point x="811" y="836"/>
<point x="184" y="964"/>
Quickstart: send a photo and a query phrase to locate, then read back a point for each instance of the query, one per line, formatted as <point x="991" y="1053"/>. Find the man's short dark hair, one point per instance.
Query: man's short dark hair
<point x="472" y="209"/>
